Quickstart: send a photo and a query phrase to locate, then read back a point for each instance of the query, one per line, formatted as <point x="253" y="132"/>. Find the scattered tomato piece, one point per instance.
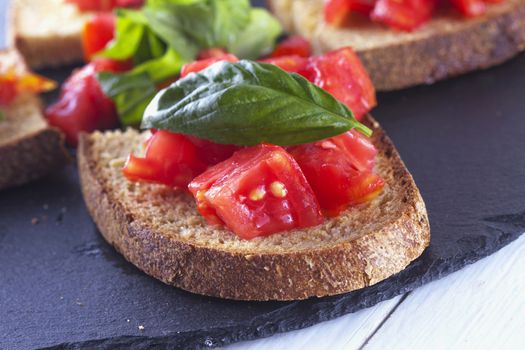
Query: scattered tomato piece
<point x="105" y="5"/>
<point x="12" y="84"/>
<point x="291" y="64"/>
<point x="293" y="46"/>
<point x="336" y="11"/>
<point x="82" y="106"/>
<point x="340" y="170"/>
<point x="8" y="91"/>
<point x="98" y="31"/>
<point x="404" y="15"/>
<point x="260" y="190"/>
<point x="342" y="74"/>
<point x="470" y="8"/>
<point x="211" y="53"/>
<point x="212" y="153"/>
<point x="197" y="66"/>
<point x="171" y="159"/>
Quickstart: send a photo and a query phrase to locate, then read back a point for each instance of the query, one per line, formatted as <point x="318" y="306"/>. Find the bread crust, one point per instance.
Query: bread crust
<point x="445" y="47"/>
<point x="56" y="49"/>
<point x="31" y="156"/>
<point x="231" y="274"/>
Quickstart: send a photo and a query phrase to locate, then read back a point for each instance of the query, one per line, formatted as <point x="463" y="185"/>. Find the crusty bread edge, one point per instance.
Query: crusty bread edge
<point x="31" y="157"/>
<point x="52" y="53"/>
<point x="481" y="44"/>
<point x="280" y="276"/>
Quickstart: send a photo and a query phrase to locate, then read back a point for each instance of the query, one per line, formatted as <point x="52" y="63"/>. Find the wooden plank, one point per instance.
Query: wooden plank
<point x="346" y="332"/>
<point x="479" y="307"/>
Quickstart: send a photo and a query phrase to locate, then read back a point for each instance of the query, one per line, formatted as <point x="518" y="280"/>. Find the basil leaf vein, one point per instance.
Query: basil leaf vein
<point x="246" y="103"/>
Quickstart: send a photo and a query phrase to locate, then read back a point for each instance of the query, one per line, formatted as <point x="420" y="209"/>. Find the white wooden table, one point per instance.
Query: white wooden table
<point x="479" y="307"/>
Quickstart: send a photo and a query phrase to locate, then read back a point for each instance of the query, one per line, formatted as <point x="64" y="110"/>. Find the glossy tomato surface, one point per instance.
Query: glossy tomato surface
<point x="212" y="153"/>
<point x="171" y="159"/>
<point x="293" y="46"/>
<point x="405" y="15"/>
<point x="105" y="5"/>
<point x="82" y="106"/>
<point x="340" y="170"/>
<point x="260" y="190"/>
<point x="336" y="11"/>
<point x="470" y="8"/>
<point x="8" y="90"/>
<point x="199" y="65"/>
<point x="342" y="74"/>
<point x="291" y="63"/>
<point x="98" y="31"/>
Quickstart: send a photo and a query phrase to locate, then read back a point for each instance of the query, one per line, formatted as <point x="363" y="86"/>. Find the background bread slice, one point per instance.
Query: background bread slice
<point x="446" y="46"/>
<point x="29" y="148"/>
<point x="159" y="230"/>
<point x="47" y="33"/>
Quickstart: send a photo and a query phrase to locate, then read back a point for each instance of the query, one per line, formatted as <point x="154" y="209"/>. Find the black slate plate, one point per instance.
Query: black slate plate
<point x="62" y="286"/>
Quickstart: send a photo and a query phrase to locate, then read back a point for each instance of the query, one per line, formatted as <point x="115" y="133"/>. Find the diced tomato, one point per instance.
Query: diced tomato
<point x="212" y="153"/>
<point x="197" y="66"/>
<point x="363" y="6"/>
<point x="98" y="31"/>
<point x="260" y="190"/>
<point x="404" y="15"/>
<point x="82" y="106"/>
<point x="336" y="11"/>
<point x="340" y="170"/>
<point x="293" y="46"/>
<point x="342" y="74"/>
<point x="105" y="5"/>
<point x="12" y="83"/>
<point x="470" y="8"/>
<point x="171" y="159"/>
<point x="211" y="53"/>
<point x="8" y="90"/>
<point x="291" y="64"/>
<point x="102" y="64"/>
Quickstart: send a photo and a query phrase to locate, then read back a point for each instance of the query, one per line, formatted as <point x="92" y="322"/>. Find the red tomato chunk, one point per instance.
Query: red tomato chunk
<point x="171" y="159"/>
<point x="291" y="63"/>
<point x="82" y="105"/>
<point x="405" y="15"/>
<point x="293" y="46"/>
<point x="174" y="159"/>
<point x="260" y="190"/>
<point x="342" y="74"/>
<point x="340" y="170"/>
<point x="105" y="5"/>
<point x="98" y="31"/>
<point x="197" y="66"/>
<point x="8" y="90"/>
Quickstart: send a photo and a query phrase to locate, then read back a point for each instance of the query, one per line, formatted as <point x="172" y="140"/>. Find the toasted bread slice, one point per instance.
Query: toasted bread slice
<point x="448" y="45"/>
<point x="47" y="33"/>
<point x="159" y="230"/>
<point x="29" y="148"/>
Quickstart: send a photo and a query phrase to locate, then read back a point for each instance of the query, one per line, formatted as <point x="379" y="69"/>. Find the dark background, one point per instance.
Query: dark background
<point x="61" y="285"/>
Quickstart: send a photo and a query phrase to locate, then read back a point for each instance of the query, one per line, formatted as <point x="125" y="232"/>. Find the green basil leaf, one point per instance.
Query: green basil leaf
<point x="167" y="22"/>
<point x="259" y="37"/>
<point x="246" y="103"/>
<point x="131" y="92"/>
<point x="2" y="115"/>
<point x="162" y="68"/>
<point x="231" y="17"/>
<point x="130" y="30"/>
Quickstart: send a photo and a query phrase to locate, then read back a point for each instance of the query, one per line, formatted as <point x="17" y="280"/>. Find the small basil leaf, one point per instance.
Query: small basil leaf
<point x="259" y="37"/>
<point x="131" y="93"/>
<point x="162" y="68"/>
<point x="231" y="17"/>
<point x="246" y="103"/>
<point x="167" y="22"/>
<point x="130" y="30"/>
